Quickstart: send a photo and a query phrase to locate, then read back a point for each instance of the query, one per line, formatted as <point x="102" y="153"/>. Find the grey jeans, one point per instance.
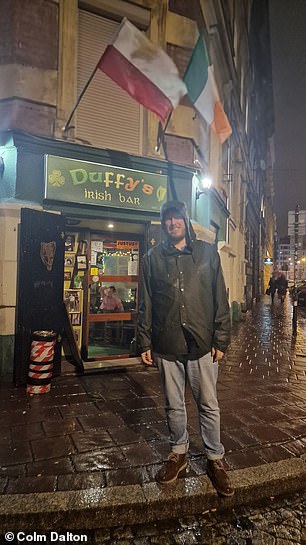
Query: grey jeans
<point x="202" y="375"/>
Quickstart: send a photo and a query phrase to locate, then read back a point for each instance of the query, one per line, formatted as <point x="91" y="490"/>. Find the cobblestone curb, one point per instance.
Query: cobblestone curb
<point x="118" y="506"/>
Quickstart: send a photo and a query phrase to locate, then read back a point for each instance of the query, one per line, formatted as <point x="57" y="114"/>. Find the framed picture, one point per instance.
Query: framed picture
<point x="82" y="262"/>
<point x="75" y="318"/>
<point x="77" y="335"/>
<point x="69" y="261"/>
<point x="69" y="243"/>
<point x="72" y="300"/>
<point x="67" y="275"/>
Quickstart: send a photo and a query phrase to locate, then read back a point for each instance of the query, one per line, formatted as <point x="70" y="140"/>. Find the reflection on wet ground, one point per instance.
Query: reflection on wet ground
<point x="279" y="522"/>
<point x="109" y="429"/>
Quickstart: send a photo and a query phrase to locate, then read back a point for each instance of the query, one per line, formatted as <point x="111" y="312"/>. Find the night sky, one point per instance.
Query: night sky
<point x="288" y="39"/>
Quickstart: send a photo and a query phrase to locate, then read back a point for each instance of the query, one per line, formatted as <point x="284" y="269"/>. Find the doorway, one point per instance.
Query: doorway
<point x="113" y="292"/>
<point x="101" y="286"/>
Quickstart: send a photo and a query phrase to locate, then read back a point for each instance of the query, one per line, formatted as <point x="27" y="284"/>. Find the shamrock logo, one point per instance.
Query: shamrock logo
<point x="56" y="179"/>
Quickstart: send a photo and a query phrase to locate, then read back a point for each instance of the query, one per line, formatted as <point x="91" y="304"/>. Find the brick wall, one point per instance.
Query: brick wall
<point x="28" y="65"/>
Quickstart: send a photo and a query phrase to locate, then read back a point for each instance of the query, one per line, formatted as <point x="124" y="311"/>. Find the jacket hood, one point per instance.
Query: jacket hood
<point x="181" y="209"/>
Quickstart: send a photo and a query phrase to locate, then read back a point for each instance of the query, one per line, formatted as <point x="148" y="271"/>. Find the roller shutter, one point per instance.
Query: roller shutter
<point x="106" y="116"/>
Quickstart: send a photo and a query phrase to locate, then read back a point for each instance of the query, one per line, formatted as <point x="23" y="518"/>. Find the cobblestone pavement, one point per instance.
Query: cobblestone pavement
<point x="109" y="429"/>
<point x="281" y="522"/>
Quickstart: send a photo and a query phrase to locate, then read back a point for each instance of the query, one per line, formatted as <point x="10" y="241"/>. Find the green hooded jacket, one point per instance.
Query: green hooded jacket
<point x="182" y="291"/>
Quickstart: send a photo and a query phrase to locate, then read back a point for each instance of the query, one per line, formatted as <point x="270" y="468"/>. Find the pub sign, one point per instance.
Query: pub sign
<point x="83" y="182"/>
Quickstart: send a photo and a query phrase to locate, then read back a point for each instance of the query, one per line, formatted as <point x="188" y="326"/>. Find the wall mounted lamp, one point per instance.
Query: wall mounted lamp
<point x="203" y="183"/>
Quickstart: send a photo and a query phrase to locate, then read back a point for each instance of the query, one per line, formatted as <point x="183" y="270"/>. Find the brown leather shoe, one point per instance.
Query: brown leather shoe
<point x="172" y="468"/>
<point x="219" y="478"/>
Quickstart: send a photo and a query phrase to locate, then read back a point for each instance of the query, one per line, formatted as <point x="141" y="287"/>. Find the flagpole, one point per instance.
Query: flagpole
<point x="66" y="127"/>
<point x="162" y="142"/>
<point x="161" y="136"/>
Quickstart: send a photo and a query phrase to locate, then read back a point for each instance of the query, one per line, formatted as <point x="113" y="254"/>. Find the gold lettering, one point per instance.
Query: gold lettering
<point x="89" y="194"/>
<point x="97" y="195"/>
<point x="117" y="182"/>
<point x="107" y="180"/>
<point x="129" y="200"/>
<point x="103" y="196"/>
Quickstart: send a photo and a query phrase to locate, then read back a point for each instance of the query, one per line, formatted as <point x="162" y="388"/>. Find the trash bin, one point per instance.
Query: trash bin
<point x="41" y="362"/>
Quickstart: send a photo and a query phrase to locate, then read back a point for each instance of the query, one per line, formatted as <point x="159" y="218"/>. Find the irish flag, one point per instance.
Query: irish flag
<point x="203" y="92"/>
<point x="143" y="70"/>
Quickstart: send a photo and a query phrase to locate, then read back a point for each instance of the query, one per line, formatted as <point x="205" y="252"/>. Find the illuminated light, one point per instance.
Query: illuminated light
<point x="110" y="226"/>
<point x="205" y="181"/>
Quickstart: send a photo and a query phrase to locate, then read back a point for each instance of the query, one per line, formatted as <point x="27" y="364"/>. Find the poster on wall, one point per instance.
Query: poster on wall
<point x="69" y="243"/>
<point x="97" y="245"/>
<point x="81" y="261"/>
<point x="69" y="260"/>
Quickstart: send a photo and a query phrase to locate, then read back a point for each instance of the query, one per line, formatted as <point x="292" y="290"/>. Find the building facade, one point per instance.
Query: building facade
<point x="48" y="52"/>
<point x="292" y="249"/>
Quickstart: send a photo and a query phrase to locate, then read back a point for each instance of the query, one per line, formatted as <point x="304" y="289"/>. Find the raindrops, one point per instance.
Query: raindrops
<point x="264" y="348"/>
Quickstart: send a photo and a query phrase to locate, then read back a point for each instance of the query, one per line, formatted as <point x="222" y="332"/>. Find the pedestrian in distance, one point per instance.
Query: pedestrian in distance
<point x="273" y="284"/>
<point x="282" y="285"/>
<point x="184" y="329"/>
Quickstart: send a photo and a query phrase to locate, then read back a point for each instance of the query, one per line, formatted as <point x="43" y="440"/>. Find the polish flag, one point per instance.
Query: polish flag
<point x="143" y="70"/>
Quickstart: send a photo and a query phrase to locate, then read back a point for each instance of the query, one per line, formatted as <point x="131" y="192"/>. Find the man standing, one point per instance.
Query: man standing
<point x="184" y="327"/>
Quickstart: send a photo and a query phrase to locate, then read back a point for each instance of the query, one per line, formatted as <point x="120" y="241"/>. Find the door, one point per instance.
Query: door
<point x="113" y="295"/>
<point x="40" y="284"/>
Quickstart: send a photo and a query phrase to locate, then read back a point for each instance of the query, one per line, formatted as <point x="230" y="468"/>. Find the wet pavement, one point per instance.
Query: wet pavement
<point x="280" y="522"/>
<point x="107" y="430"/>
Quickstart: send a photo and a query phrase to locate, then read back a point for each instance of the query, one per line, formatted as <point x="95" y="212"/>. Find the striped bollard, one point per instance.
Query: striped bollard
<point x="41" y="362"/>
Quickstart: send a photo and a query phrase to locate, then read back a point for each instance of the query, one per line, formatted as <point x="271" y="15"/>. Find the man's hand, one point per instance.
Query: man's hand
<point x="147" y="357"/>
<point x="216" y="354"/>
